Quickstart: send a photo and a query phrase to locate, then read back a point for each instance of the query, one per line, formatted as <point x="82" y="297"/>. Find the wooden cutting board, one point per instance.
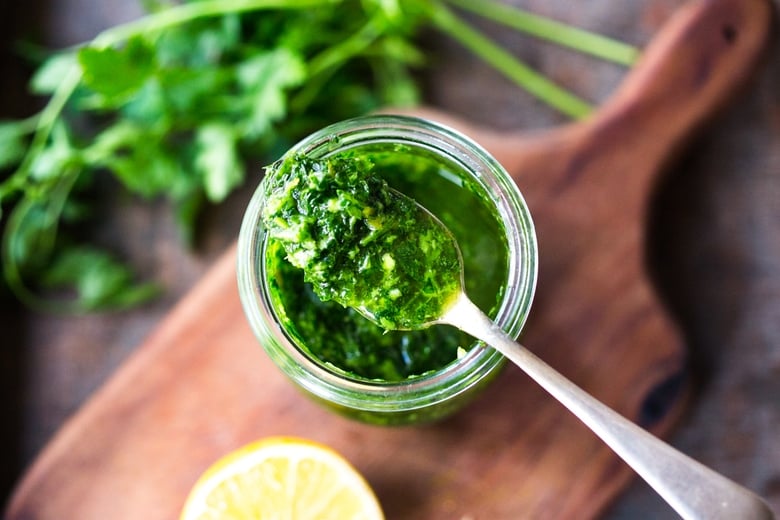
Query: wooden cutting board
<point x="200" y="385"/>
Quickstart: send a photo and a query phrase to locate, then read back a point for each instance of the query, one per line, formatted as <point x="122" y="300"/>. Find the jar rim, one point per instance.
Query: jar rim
<point x="417" y="391"/>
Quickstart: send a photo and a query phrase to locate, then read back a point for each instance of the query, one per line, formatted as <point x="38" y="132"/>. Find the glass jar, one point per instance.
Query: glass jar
<point x="434" y="393"/>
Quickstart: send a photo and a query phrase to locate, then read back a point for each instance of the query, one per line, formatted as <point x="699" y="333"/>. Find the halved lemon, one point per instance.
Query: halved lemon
<point x="282" y="478"/>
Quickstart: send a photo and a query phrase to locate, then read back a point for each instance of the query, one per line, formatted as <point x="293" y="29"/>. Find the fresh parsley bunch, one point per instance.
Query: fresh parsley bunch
<point x="174" y="104"/>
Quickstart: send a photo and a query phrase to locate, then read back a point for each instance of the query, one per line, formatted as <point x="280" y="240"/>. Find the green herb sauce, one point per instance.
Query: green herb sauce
<point x="360" y="243"/>
<point x="327" y="234"/>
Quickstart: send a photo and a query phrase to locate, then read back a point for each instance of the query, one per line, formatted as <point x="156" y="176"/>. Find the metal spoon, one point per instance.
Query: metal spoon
<point x="692" y="489"/>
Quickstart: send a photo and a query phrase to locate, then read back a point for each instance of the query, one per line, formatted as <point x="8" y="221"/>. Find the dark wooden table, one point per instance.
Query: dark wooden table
<point x="714" y="247"/>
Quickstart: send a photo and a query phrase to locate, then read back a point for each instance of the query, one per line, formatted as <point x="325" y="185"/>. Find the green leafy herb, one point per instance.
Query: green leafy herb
<point x="177" y="103"/>
<point x="12" y="141"/>
<point x="101" y="281"/>
<point x="115" y="74"/>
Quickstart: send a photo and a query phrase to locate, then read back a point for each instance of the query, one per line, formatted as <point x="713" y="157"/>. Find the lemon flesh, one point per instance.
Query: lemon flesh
<point x="282" y="478"/>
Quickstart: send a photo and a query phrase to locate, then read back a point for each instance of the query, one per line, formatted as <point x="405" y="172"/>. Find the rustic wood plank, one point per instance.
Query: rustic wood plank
<point x="200" y="385"/>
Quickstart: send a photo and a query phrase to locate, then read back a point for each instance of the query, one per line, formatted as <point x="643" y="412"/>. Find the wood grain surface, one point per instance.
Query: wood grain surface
<point x="199" y="385"/>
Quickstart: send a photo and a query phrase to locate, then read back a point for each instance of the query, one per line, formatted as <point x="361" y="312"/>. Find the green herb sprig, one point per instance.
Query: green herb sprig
<point x="177" y="103"/>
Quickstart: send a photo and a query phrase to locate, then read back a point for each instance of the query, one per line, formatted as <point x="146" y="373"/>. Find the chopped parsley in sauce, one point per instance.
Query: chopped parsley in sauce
<point x="341" y="337"/>
<point x="361" y="243"/>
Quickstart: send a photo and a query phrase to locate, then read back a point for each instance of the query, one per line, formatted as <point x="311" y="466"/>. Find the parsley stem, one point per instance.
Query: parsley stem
<point x="556" y="32"/>
<point x="324" y="65"/>
<point x="44" y="124"/>
<point x="29" y="124"/>
<point x="192" y="11"/>
<point x="337" y="54"/>
<point x="52" y="203"/>
<point x="523" y="75"/>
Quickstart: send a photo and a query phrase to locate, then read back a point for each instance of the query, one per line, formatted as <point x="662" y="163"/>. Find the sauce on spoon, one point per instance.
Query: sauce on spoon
<point x="361" y="243"/>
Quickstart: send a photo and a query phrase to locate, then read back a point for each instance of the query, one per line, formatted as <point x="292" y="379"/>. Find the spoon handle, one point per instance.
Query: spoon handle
<point x="692" y="489"/>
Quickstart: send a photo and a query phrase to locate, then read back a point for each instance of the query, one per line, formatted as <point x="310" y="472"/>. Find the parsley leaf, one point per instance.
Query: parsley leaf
<point x="263" y="80"/>
<point x="48" y="77"/>
<point x="217" y="160"/>
<point x="116" y="73"/>
<point x="101" y="281"/>
<point x="174" y="104"/>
